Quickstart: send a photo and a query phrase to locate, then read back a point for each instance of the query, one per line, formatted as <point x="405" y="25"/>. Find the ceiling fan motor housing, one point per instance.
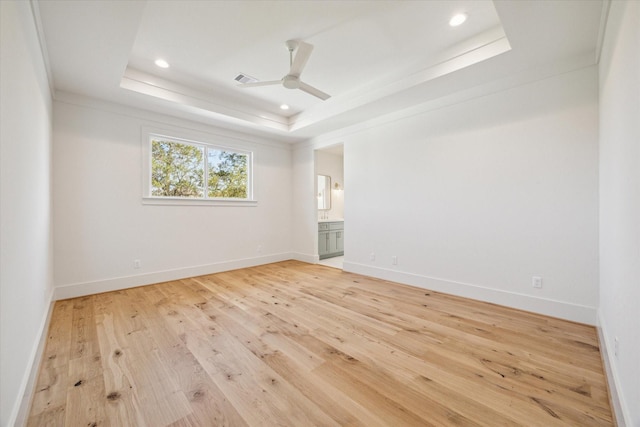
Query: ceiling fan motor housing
<point x="291" y="82"/>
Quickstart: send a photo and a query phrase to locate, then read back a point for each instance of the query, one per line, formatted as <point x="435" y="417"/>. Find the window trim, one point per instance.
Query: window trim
<point x="149" y="134"/>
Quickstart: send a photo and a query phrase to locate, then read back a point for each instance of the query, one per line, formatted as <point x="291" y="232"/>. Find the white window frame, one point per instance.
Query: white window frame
<point x="216" y="143"/>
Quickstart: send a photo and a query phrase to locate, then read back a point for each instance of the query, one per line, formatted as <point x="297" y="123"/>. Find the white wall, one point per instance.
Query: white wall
<point x="25" y="213"/>
<point x="304" y="225"/>
<point x="620" y="202"/>
<point x="101" y="225"/>
<point x="476" y="198"/>
<point x="332" y="165"/>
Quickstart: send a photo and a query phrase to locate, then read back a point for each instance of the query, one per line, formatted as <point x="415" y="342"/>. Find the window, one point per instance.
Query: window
<point x="182" y="170"/>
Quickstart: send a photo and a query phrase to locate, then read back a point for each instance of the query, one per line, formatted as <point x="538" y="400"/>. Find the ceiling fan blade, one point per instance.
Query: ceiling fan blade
<point x="313" y="91"/>
<point x="256" y="84"/>
<point x="303" y="52"/>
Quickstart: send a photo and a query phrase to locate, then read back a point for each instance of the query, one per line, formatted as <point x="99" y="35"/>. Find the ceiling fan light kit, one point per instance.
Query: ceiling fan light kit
<point x="296" y="65"/>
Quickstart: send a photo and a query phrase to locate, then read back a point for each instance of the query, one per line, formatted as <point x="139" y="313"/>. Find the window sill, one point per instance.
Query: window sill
<point x="179" y="201"/>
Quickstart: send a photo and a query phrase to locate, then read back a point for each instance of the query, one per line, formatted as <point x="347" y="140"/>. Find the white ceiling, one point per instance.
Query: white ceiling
<point x="373" y="57"/>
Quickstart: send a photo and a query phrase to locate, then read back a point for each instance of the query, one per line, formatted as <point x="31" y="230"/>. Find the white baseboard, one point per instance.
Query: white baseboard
<point x="310" y="258"/>
<point x="89" y="288"/>
<point x="548" y="307"/>
<point x="21" y="410"/>
<point x="618" y="406"/>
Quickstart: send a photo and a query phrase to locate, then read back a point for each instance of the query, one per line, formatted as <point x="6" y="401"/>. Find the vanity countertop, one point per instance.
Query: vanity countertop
<point x="331" y="220"/>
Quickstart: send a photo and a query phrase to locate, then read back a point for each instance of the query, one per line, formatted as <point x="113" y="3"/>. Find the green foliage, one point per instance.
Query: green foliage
<point x="177" y="170"/>
<point x="227" y="174"/>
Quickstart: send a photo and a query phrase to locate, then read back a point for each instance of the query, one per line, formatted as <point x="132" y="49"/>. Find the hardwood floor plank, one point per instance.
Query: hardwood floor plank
<point x="49" y="400"/>
<point x="462" y="329"/>
<point x="86" y="385"/>
<point x="421" y="333"/>
<point x="277" y="352"/>
<point x="255" y="390"/>
<point x="122" y="406"/>
<point x="297" y="344"/>
<point x="84" y="405"/>
<point x="208" y="404"/>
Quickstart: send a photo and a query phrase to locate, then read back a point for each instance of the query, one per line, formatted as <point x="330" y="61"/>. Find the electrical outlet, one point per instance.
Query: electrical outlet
<point x="536" y="281"/>
<point x="372" y="256"/>
<point x="259" y="249"/>
<point x="394" y="260"/>
<point x="616" y="347"/>
<point x="136" y="264"/>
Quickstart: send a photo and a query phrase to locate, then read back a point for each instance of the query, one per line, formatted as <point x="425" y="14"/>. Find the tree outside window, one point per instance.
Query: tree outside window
<point x="227" y="174"/>
<point x="179" y="170"/>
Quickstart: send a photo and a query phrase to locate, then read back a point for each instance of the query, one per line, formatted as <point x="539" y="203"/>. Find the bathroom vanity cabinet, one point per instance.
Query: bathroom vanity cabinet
<point x="330" y="239"/>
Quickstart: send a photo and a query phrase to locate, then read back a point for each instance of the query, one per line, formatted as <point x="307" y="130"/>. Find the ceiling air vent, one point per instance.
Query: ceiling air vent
<point x="243" y="78"/>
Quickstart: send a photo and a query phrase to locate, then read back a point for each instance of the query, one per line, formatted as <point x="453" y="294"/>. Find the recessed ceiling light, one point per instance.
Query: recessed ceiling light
<point x="284" y="107"/>
<point x="162" y="63"/>
<point x="458" y="19"/>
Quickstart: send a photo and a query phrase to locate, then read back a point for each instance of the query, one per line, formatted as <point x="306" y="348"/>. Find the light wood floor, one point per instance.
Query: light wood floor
<point x="295" y="344"/>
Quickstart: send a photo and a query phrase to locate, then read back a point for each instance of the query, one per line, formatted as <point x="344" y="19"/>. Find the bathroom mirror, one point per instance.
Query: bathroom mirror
<point x="324" y="192"/>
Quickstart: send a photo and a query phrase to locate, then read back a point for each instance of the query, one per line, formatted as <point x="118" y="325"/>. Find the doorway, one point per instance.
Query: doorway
<point x="329" y="167"/>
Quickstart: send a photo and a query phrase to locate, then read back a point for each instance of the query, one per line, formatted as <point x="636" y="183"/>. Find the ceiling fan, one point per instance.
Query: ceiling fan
<point x="297" y="64"/>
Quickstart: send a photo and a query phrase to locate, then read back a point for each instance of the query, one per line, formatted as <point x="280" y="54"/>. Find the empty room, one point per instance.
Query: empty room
<point x="320" y="213"/>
